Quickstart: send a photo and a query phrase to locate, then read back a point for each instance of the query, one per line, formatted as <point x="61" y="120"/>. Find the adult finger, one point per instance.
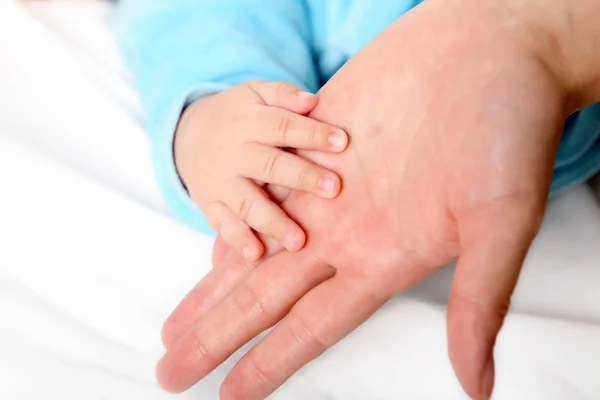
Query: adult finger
<point x="213" y="288"/>
<point x="318" y="321"/>
<point x="231" y="270"/>
<point x="495" y="243"/>
<point x="220" y="252"/>
<point x="298" y="132"/>
<point x="285" y="95"/>
<point x="255" y="305"/>
<point x="275" y="166"/>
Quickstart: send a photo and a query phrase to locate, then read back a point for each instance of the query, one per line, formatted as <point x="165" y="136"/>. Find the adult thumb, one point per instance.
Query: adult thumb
<point x="494" y="243"/>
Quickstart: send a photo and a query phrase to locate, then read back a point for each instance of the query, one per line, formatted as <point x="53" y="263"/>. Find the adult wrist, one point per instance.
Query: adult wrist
<point x="566" y="36"/>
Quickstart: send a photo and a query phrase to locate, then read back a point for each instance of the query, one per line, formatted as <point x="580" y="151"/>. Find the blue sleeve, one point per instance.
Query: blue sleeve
<point x="180" y="50"/>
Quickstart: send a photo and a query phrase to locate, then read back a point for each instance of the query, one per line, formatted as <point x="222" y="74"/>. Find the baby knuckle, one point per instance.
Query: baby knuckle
<point x="315" y="135"/>
<point x="304" y="178"/>
<point x="214" y="216"/>
<point x="269" y="224"/>
<point x="244" y="208"/>
<point x="255" y="82"/>
<point x="254" y="85"/>
<point x="281" y="89"/>
<point x="228" y="231"/>
<point x="282" y="129"/>
<point x="270" y="165"/>
<point x="214" y="222"/>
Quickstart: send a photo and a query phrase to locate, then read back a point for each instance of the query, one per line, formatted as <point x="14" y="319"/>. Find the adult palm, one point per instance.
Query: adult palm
<point x="454" y="129"/>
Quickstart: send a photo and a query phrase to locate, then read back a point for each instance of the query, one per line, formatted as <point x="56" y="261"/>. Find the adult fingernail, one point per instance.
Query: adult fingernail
<point x="338" y="140"/>
<point x="488" y="380"/>
<point x="326" y="185"/>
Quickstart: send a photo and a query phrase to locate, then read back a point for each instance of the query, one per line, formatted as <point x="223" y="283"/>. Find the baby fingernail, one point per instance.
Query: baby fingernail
<point x="326" y="185"/>
<point x="337" y="140"/>
<point x="246" y="252"/>
<point x="306" y="95"/>
<point x="288" y="240"/>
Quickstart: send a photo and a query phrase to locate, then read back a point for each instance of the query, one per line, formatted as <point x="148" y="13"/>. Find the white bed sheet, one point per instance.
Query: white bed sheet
<point x="91" y="263"/>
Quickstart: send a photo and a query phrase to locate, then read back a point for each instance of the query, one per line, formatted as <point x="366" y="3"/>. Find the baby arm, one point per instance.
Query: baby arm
<point x="182" y="50"/>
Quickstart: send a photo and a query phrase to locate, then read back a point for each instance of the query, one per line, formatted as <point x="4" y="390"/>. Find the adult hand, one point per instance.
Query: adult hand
<point x="454" y="129"/>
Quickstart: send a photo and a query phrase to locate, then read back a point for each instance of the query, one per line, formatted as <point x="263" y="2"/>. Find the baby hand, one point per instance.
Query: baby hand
<point x="229" y="144"/>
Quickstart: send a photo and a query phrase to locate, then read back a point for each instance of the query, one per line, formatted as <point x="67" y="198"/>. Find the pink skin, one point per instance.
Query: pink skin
<point x="450" y="155"/>
<point x="227" y="145"/>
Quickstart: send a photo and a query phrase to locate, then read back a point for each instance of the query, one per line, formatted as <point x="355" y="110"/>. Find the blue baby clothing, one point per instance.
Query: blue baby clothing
<point x="180" y="50"/>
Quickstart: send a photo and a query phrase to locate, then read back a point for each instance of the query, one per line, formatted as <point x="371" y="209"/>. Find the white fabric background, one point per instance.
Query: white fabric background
<point x="91" y="263"/>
